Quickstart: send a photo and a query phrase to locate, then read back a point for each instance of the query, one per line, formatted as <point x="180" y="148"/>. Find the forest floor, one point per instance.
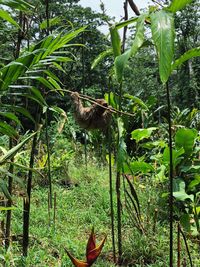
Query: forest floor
<point x="82" y="203"/>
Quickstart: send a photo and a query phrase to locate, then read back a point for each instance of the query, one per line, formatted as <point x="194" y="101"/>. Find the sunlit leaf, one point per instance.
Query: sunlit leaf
<point x="179" y="190"/>
<point x="140" y="134"/>
<point x="17" y="4"/>
<point x="51" y="22"/>
<point x="177" y="5"/>
<point x="101" y="56"/>
<point x="177" y="156"/>
<point x="4" y="189"/>
<point x="195" y="52"/>
<point x="137" y="100"/>
<point x="6" y="16"/>
<point x="125" y="23"/>
<point x="163" y="33"/>
<point x="7" y="129"/>
<point x="121" y="60"/>
<point x="186" y="138"/>
<point x="138" y="167"/>
<point x="10" y="116"/>
<point x="15" y="149"/>
<point x="116" y="41"/>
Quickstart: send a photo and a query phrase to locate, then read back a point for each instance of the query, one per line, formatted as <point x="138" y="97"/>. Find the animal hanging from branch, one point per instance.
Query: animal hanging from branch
<point x="97" y="116"/>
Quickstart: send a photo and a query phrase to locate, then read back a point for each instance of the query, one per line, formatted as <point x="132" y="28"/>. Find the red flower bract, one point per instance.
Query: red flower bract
<point x="92" y="252"/>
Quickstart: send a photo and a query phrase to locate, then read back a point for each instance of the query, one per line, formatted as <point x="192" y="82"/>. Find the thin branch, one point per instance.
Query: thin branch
<point x="134" y="7"/>
<point x="92" y="100"/>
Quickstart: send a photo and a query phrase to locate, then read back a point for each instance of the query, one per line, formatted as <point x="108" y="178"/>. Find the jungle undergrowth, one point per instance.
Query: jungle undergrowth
<point x="80" y="206"/>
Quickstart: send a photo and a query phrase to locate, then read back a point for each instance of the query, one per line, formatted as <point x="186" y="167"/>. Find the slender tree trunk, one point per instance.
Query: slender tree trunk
<point x="111" y="187"/>
<point x="11" y="144"/>
<point x="27" y="201"/>
<point x="9" y="202"/>
<point x="171" y="202"/>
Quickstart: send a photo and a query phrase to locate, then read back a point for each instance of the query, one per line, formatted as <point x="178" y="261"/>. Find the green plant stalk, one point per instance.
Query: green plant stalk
<point x="48" y="159"/>
<point x="178" y="247"/>
<point x="83" y="83"/>
<point x="171" y="202"/>
<point x="11" y="143"/>
<point x="9" y="202"/>
<point x="27" y="202"/>
<point x="119" y="223"/>
<point x="111" y="194"/>
<point x="118" y="192"/>
<point x="109" y="134"/>
<point x="54" y="211"/>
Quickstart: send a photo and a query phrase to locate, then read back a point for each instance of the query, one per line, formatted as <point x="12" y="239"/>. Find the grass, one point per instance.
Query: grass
<point x="80" y="207"/>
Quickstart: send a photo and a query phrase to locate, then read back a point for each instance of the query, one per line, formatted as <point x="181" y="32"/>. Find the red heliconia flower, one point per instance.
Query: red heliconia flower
<point x="92" y="252"/>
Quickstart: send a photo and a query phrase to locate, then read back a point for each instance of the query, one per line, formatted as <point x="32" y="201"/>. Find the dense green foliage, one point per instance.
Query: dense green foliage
<point x="51" y="48"/>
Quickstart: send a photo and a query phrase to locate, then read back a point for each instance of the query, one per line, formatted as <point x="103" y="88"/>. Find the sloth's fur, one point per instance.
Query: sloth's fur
<point x="93" y="117"/>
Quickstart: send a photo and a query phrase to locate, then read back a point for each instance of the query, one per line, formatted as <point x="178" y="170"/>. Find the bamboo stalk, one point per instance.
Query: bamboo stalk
<point x="171" y="203"/>
<point x="27" y="201"/>
<point x="54" y="210"/>
<point x="178" y="246"/>
<point x="48" y="159"/>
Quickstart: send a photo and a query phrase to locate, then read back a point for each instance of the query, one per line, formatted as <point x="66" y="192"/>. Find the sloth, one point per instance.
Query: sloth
<point x="93" y="117"/>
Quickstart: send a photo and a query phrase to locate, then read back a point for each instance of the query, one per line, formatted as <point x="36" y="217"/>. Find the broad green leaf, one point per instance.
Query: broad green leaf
<point x="121" y="60"/>
<point x="11" y="72"/>
<point x="194" y="183"/>
<point x="52" y="22"/>
<point x="52" y="75"/>
<point x="116" y="41"/>
<point x="38" y="95"/>
<point x="125" y="23"/>
<point x="6" y="16"/>
<point x="138" y="167"/>
<point x="54" y="83"/>
<point x="15" y="149"/>
<point x="42" y="80"/>
<point x="179" y="190"/>
<point x="162" y="27"/>
<point x="17" y="4"/>
<point x="185" y="222"/>
<point x="21" y="110"/>
<point x="186" y="138"/>
<point x="121" y="149"/>
<point x="17" y="179"/>
<point x="134" y="195"/>
<point x="177" y="5"/>
<point x="101" y="56"/>
<point x="151" y="145"/>
<point x="10" y="116"/>
<point x="7" y="129"/>
<point x="140" y="134"/>
<point x="177" y="156"/>
<point x="57" y="66"/>
<point x="4" y="189"/>
<point x="137" y="100"/>
<point x="112" y="160"/>
<point x="58" y="110"/>
<point x="195" y="52"/>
